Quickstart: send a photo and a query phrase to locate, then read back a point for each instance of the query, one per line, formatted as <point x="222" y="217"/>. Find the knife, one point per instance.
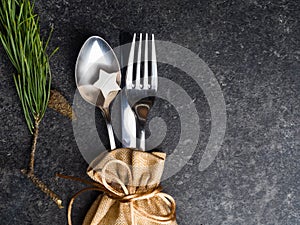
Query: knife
<point x="128" y="122"/>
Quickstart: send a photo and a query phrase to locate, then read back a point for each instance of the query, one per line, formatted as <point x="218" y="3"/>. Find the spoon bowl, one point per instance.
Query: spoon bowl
<point x="98" y="77"/>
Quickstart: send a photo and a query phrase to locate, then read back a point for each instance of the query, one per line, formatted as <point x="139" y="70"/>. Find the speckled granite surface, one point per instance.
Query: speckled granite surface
<point x="253" y="48"/>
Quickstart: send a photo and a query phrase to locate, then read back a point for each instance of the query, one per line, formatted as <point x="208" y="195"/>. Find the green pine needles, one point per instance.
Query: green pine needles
<point x="20" y="36"/>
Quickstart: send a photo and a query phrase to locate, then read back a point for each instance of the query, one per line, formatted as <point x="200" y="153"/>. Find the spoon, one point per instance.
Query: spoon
<point x="98" y="77"/>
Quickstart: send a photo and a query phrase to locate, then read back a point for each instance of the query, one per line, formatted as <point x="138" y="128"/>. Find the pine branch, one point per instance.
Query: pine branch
<point x="30" y="173"/>
<point x="20" y="37"/>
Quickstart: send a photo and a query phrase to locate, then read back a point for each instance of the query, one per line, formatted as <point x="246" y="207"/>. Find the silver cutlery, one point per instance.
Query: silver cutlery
<point x="128" y="122"/>
<point x="141" y="92"/>
<point x="98" y="77"/>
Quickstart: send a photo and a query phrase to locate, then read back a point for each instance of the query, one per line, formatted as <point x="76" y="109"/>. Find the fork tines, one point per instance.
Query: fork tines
<point x="142" y="82"/>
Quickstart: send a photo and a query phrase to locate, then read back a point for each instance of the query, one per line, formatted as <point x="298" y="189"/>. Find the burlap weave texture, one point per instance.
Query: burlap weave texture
<point x="135" y="172"/>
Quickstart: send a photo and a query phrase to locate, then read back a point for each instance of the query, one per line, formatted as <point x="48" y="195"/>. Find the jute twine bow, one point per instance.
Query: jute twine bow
<point x="125" y="196"/>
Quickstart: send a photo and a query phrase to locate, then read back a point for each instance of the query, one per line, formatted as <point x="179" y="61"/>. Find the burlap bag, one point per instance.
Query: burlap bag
<point x="133" y="195"/>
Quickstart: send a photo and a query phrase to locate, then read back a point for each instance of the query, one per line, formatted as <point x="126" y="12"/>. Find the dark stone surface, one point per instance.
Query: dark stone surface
<point x="252" y="47"/>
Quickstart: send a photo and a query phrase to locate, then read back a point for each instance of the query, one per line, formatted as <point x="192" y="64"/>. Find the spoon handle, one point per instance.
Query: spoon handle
<point x="110" y="135"/>
<point x="106" y="115"/>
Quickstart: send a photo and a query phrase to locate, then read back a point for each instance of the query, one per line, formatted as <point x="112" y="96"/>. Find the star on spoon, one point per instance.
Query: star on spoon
<point x="107" y="82"/>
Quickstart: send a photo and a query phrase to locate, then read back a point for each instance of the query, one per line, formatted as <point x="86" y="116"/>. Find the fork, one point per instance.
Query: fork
<point x="141" y="93"/>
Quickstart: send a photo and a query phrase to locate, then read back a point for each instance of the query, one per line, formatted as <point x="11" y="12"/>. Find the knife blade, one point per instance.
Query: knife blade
<point x="128" y="120"/>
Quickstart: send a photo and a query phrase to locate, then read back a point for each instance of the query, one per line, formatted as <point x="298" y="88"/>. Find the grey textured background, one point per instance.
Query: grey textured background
<point x="253" y="49"/>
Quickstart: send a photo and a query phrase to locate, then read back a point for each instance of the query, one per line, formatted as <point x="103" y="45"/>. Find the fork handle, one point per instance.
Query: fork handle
<point x="142" y="144"/>
<point x="141" y="110"/>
